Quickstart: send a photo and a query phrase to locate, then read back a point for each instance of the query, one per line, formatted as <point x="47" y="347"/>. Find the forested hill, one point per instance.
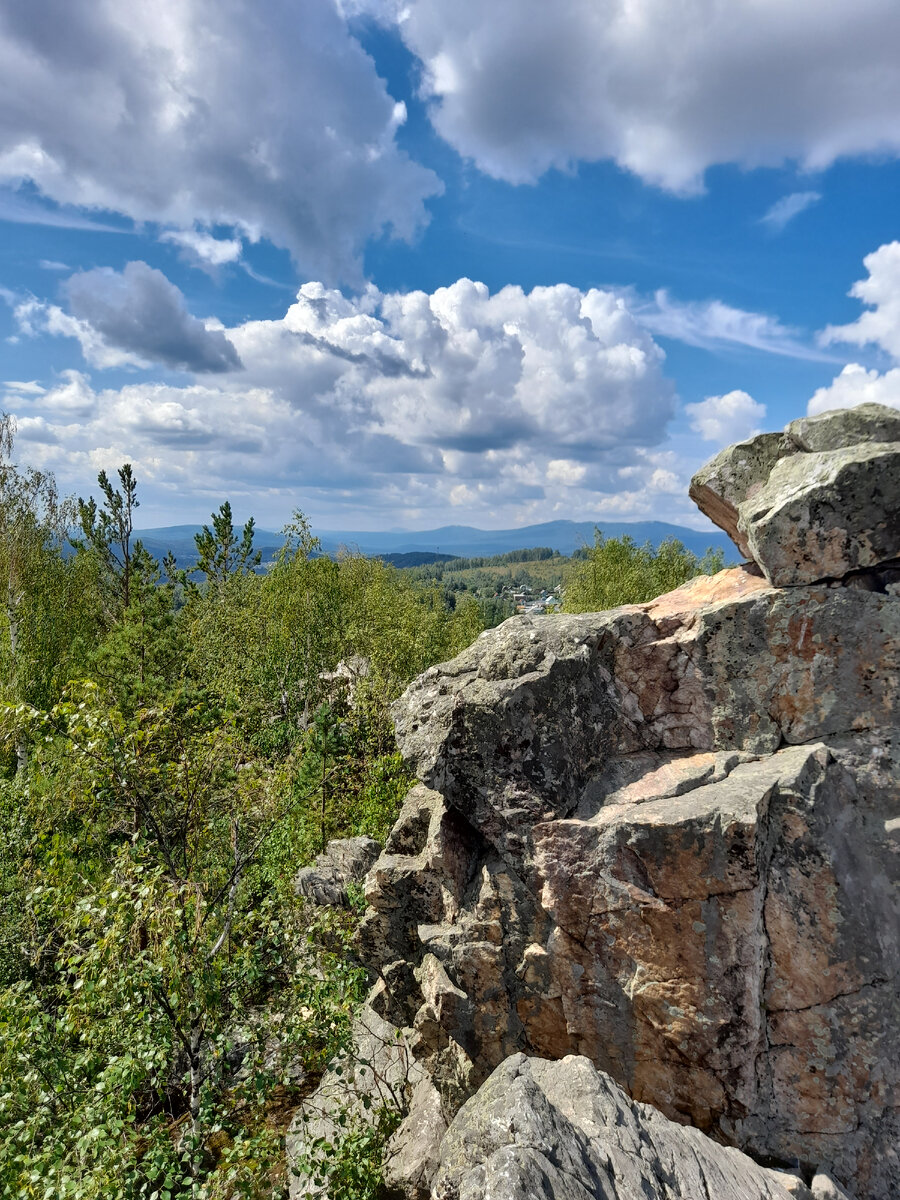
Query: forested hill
<point x="563" y="536"/>
<point x="457" y="540"/>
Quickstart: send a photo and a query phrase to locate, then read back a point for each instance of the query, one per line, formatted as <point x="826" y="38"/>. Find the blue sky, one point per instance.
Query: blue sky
<point x="402" y="265"/>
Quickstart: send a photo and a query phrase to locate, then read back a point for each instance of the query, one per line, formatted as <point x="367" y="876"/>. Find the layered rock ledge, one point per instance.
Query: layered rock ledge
<point x="664" y="837"/>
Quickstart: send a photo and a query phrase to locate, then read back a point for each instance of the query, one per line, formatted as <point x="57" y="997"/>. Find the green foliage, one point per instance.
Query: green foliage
<point x="363" y="795"/>
<point x="142" y="659"/>
<point x="48" y="612"/>
<point x="149" y="956"/>
<point x="163" y="993"/>
<point x="267" y="644"/>
<point x="495" y="610"/>
<point x="352" y="1167"/>
<point x="107" y="531"/>
<point x="454" y="564"/>
<point x="220" y="552"/>
<point x="617" y="571"/>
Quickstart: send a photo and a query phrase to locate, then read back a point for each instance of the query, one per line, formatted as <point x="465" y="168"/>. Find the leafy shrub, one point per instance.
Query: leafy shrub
<point x="617" y="571"/>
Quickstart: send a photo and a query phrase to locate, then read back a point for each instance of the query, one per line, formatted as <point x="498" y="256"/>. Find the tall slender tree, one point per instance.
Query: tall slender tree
<point x="108" y="531"/>
<point x="221" y="552"/>
<point x="139" y="659"/>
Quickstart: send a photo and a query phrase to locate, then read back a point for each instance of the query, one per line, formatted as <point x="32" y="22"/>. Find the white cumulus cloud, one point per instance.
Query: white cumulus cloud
<point x="664" y="89"/>
<point x="565" y="471"/>
<point x="726" y="419"/>
<point x="855" y="385"/>
<point x="270" y="119"/>
<point x="879" y="326"/>
<point x="504" y="406"/>
<point x="465" y="370"/>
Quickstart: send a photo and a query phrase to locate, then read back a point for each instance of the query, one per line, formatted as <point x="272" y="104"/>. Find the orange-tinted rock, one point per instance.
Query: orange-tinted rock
<point x="663" y="837"/>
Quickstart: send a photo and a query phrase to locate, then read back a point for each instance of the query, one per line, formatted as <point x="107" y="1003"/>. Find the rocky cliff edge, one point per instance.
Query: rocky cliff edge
<point x="664" y="839"/>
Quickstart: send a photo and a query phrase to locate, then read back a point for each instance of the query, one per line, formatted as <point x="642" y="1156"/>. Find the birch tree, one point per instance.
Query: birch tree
<point x="32" y="536"/>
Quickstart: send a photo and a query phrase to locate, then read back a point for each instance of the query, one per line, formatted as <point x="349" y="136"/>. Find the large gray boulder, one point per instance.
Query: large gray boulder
<point x="565" y="1131"/>
<point x="665" y="837"/>
<point x="816" y="502"/>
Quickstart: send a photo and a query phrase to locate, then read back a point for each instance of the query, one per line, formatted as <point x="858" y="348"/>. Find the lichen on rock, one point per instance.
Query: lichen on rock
<point x="816" y="502"/>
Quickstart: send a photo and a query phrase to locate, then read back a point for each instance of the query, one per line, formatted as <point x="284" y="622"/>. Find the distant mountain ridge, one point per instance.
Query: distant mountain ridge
<point x="458" y="540"/>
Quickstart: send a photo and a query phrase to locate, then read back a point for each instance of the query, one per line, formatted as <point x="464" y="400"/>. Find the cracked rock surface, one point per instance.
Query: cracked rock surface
<point x="565" y="1130"/>
<point x="664" y="839"/>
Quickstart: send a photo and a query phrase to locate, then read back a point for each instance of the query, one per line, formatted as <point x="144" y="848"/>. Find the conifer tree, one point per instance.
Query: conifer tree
<point x="220" y="552"/>
<point x="108" y="531"/>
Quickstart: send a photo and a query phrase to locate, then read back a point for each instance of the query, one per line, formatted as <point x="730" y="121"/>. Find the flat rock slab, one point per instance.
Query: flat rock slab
<point x="816" y="502"/>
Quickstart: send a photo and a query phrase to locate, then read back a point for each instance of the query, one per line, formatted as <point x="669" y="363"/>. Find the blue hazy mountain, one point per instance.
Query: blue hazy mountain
<point x="458" y="540"/>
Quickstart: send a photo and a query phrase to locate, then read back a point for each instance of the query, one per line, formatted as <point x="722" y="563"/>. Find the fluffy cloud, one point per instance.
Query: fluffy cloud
<point x="855" y="385"/>
<point x="726" y="419"/>
<point x="140" y="312"/>
<point x="195" y="112"/>
<point x="35" y="318"/>
<point x="521" y="86"/>
<point x="879" y="326"/>
<point x="464" y="371"/>
<point x="881" y="292"/>
<point x="504" y="406"/>
<point x="135" y="317"/>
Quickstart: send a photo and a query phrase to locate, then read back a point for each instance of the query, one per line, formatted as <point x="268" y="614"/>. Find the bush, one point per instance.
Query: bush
<point x="617" y="571"/>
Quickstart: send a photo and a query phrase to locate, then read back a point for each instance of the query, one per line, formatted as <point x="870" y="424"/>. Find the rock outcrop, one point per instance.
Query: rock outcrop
<point x="563" y="1129"/>
<point x="665" y="837"/>
<point x="819" y="500"/>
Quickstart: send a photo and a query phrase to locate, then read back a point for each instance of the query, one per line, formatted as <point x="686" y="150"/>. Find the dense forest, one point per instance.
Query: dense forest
<point x="175" y="745"/>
